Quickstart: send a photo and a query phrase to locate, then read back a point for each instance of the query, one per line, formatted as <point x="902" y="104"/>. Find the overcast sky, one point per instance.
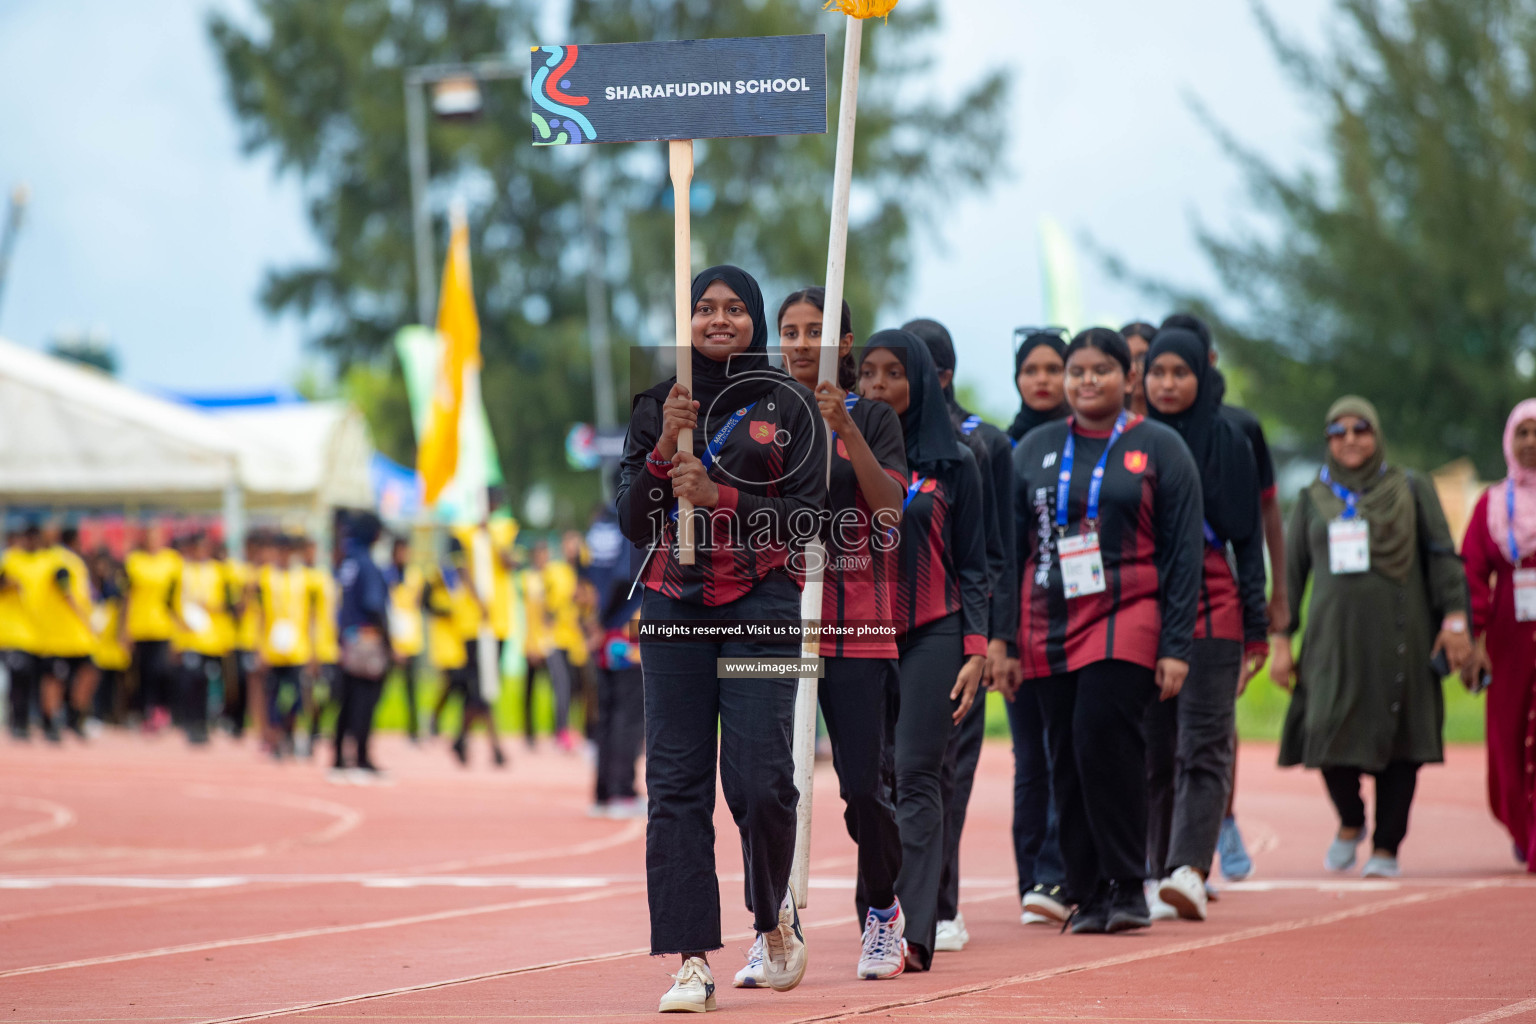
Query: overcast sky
<point x="147" y="223"/>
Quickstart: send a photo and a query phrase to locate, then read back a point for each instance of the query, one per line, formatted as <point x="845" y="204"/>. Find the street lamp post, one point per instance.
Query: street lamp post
<point x="12" y="228"/>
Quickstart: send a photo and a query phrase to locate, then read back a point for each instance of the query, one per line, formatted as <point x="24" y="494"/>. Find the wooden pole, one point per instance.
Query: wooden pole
<point x="831" y="338"/>
<point x="680" y="156"/>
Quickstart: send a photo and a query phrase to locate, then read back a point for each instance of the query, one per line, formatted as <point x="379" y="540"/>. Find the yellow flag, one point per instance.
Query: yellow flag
<point x="437" y="457"/>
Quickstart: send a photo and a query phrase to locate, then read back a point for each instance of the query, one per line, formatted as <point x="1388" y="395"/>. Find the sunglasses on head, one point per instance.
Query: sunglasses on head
<point x="1360" y="428"/>
<point x="1021" y="334"/>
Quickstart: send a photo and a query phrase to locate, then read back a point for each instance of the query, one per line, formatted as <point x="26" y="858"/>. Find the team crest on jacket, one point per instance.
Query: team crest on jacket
<point x="842" y="450"/>
<point x="1136" y="462"/>
<point x="928" y="486"/>
<point x="762" y="432"/>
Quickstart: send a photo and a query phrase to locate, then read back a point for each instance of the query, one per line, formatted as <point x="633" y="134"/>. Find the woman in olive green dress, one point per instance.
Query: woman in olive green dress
<point x="1388" y="595"/>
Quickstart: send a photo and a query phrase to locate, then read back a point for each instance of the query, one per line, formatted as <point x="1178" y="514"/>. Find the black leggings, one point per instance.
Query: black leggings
<point x="931" y="657"/>
<point x="359" y="698"/>
<point x="854" y="695"/>
<point x="156" y="675"/>
<point x="1093" y="728"/>
<point x="1394" y="797"/>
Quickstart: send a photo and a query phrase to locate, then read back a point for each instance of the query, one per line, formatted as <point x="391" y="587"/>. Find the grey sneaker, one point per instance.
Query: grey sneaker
<point x="1381" y="867"/>
<point x="784" y="949"/>
<point x="1341" y="853"/>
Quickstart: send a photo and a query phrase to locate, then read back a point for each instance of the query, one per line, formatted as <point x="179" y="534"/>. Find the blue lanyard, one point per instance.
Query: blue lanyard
<point x="912" y="489"/>
<point x="717" y="442"/>
<point x="1344" y="494"/>
<point x="1210" y="535"/>
<point x="969" y="426"/>
<point x="1509" y="503"/>
<point x="1064" y="481"/>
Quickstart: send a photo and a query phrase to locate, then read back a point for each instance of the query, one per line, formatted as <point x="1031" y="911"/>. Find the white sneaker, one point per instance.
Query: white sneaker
<point x="625" y="808"/>
<point x="1156" y="908"/>
<point x="693" y="989"/>
<point x="1030" y="917"/>
<point x="784" y="949"/>
<point x="1380" y="866"/>
<point x="884" y="953"/>
<point x="951" y="936"/>
<point x="751" y="976"/>
<point x="1047" y="901"/>
<point x="1184" y="891"/>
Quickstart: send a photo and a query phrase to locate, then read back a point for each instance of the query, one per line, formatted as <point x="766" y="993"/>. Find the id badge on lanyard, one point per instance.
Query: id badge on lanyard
<point x="1082" y="567"/>
<point x="1349" y="546"/>
<point x="1349" y="536"/>
<point x="1525" y="595"/>
<point x="1082" y="563"/>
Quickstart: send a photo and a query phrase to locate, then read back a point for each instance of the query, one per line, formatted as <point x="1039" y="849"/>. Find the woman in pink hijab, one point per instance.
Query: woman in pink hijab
<point x="1500" y="553"/>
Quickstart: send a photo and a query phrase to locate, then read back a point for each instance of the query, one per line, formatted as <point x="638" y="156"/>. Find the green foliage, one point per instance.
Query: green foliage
<point x="1405" y="269"/>
<point x="318" y="86"/>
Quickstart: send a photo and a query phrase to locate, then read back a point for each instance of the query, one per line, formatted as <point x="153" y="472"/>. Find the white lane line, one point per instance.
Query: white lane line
<point x="1263" y="931"/>
<point x="839" y="921"/>
<point x="345" y="820"/>
<point x="59" y="817"/>
<point x="309" y="933"/>
<point x="1512" y="1010"/>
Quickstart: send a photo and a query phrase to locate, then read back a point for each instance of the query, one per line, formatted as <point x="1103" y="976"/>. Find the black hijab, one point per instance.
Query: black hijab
<point x="930" y="434"/>
<point x="1028" y="419"/>
<point x="1229" y="477"/>
<point x="746" y="376"/>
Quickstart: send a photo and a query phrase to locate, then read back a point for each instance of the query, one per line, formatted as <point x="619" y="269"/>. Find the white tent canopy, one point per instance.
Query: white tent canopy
<point x="72" y="436"/>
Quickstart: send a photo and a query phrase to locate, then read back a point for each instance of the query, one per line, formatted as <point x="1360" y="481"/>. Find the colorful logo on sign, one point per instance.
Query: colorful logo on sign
<point x="1135" y="462"/>
<point x="564" y="125"/>
<point x="762" y="432"/>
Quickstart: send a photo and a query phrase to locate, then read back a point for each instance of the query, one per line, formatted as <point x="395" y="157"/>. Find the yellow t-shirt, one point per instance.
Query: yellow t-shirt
<point x="327" y="647"/>
<point x="248" y="628"/>
<point x="444" y="637"/>
<point x="152" y="582"/>
<point x="564" y="615"/>
<point x="288" y="600"/>
<point x="537" y="642"/>
<point x="503" y="532"/>
<point x="52" y="575"/>
<point x="405" y="630"/>
<point x="110" y="655"/>
<point x="16" y="632"/>
<point x="205" y="607"/>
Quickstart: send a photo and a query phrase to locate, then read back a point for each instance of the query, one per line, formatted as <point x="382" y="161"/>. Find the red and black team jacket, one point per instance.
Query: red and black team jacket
<point x="771" y="472"/>
<point x="1232" y="592"/>
<point x="943" y="553"/>
<point x="1150" y="539"/>
<point x="861" y="577"/>
<point x="994" y="458"/>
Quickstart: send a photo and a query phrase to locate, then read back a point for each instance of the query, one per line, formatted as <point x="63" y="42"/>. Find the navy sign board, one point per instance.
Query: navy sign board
<point x="689" y="89"/>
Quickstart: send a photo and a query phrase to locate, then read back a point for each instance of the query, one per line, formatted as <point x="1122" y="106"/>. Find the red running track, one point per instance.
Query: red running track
<point x="143" y="881"/>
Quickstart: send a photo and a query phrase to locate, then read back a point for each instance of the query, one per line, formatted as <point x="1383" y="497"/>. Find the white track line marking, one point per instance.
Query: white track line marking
<point x="59" y="817"/>
<point x="553" y="965"/>
<point x="1512" y="1010"/>
<point x="308" y="933"/>
<point x="1263" y="931"/>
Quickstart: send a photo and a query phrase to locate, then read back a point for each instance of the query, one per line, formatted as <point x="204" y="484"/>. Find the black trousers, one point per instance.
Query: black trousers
<point x="690" y="711"/>
<point x="1394" y="798"/>
<point x="359" y="698"/>
<point x="1093" y="727"/>
<point x="156" y="675"/>
<point x="409" y="667"/>
<point x="960" y="759"/>
<point x="237" y="693"/>
<point x="619" y="731"/>
<point x="197" y="674"/>
<point x="24" y="670"/>
<point x="1036" y="829"/>
<point x="930" y="661"/>
<point x="854" y="696"/>
<point x="1191" y="746"/>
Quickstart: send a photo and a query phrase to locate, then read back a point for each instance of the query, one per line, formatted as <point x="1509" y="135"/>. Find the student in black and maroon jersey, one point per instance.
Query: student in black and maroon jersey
<point x="994" y="458"/>
<point x="757" y="475"/>
<point x="1040" y="372"/>
<point x="1108" y="514"/>
<point x="941" y="611"/>
<point x="1190" y="739"/>
<point x="860" y="687"/>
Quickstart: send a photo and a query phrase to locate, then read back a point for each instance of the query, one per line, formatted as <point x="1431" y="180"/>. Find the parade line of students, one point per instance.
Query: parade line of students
<point x="1102" y="564"/>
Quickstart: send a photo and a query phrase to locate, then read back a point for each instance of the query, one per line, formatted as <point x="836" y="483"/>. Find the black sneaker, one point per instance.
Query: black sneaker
<point x="1092" y="915"/>
<point x="1127" y="907"/>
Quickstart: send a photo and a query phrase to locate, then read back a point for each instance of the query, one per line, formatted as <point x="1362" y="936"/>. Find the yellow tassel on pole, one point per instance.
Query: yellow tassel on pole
<point x="861" y="8"/>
